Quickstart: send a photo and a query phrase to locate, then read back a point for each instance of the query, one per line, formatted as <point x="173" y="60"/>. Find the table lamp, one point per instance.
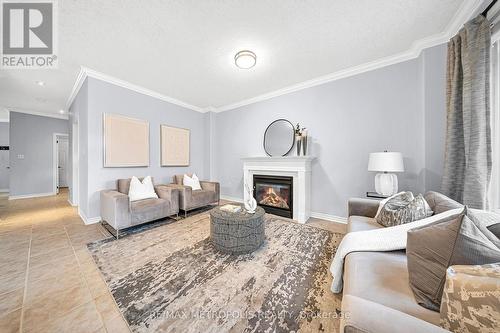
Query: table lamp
<point x="385" y="163"/>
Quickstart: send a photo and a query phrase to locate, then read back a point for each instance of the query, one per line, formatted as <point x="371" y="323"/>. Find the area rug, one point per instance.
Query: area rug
<point x="171" y="279"/>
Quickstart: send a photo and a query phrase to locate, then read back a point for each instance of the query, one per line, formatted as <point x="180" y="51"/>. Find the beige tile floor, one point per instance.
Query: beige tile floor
<point x="48" y="281"/>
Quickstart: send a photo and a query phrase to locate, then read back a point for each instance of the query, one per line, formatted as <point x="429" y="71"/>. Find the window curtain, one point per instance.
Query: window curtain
<point x="467" y="166"/>
<point x="494" y="198"/>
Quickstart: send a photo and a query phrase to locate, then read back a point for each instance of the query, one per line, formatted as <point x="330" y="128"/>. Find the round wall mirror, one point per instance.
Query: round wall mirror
<point x="279" y="138"/>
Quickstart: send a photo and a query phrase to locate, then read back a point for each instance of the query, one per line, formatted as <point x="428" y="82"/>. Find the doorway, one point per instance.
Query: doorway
<point x="61" y="153"/>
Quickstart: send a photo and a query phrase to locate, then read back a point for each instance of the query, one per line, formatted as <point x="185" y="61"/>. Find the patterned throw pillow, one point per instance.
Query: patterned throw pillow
<point x="471" y="299"/>
<point x="403" y="208"/>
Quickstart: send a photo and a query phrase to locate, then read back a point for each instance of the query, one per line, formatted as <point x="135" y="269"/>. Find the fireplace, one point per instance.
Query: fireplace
<point x="274" y="194"/>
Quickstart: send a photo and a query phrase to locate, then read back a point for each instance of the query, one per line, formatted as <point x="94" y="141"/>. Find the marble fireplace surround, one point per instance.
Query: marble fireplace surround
<point x="297" y="167"/>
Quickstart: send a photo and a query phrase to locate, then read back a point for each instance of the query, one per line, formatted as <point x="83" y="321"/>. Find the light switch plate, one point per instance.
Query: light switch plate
<point x="20" y="157"/>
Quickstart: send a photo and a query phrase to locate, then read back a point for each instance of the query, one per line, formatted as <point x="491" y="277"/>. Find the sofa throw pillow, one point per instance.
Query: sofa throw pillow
<point x="141" y="190"/>
<point x="485" y="221"/>
<point x="431" y="249"/>
<point x="471" y="299"/>
<point x="384" y="201"/>
<point x="192" y="182"/>
<point x="403" y="208"/>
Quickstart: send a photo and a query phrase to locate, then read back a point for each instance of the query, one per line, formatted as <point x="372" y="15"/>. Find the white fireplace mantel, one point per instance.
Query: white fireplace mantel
<point x="297" y="167"/>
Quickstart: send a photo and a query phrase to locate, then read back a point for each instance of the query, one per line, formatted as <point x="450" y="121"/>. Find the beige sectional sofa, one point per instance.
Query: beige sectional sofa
<point x="377" y="296"/>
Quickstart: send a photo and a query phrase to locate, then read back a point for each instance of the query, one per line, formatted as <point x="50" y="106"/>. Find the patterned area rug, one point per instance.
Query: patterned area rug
<point x="170" y="278"/>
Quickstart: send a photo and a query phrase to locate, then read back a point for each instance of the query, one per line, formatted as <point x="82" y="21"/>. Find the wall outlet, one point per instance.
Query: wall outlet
<point x="20" y="157"/>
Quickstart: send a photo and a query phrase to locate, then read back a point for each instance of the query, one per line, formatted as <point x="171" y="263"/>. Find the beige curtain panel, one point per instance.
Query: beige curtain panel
<point x="467" y="169"/>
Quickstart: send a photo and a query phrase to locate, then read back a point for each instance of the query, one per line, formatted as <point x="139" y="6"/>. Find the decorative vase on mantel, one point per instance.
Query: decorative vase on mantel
<point x="304" y="142"/>
<point x="298" y="138"/>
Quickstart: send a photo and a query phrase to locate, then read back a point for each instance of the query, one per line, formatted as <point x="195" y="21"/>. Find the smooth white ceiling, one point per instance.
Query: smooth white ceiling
<point x="185" y="49"/>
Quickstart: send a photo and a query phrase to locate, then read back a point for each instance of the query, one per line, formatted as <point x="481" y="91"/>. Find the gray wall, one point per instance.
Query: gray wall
<point x="4" y="134"/>
<point x="78" y="114"/>
<point x="385" y="109"/>
<point x="4" y="157"/>
<point x="434" y="71"/>
<point x="32" y="136"/>
<point x="103" y="98"/>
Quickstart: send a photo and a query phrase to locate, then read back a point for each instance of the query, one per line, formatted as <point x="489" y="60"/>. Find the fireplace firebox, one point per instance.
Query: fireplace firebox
<point x="274" y="194"/>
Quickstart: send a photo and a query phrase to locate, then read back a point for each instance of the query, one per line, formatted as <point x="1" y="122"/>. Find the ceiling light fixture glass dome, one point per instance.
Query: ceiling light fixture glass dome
<point x="245" y="59"/>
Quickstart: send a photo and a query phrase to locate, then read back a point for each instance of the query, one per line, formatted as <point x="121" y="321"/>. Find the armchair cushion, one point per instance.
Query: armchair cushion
<point x="148" y="210"/>
<point x="203" y="198"/>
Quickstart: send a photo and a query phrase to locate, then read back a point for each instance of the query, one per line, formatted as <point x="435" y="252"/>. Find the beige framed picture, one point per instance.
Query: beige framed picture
<point x="126" y="141"/>
<point x="174" y="146"/>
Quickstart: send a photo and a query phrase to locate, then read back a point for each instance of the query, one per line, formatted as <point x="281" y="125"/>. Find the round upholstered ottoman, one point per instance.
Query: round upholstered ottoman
<point x="237" y="233"/>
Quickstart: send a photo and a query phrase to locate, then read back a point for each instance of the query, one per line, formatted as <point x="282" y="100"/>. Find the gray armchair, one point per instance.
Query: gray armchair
<point x="118" y="212"/>
<point x="189" y="199"/>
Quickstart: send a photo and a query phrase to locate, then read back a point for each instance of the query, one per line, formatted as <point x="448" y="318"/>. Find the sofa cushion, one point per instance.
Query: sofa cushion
<point x="382" y="277"/>
<point x="362" y="223"/>
<point x="403" y="208"/>
<point x="431" y="249"/>
<point x="148" y="210"/>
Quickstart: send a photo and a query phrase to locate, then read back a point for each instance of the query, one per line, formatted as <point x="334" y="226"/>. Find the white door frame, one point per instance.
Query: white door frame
<point x="55" y="161"/>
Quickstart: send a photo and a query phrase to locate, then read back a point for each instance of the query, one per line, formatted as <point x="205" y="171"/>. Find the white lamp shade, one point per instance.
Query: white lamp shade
<point x="386" y="162"/>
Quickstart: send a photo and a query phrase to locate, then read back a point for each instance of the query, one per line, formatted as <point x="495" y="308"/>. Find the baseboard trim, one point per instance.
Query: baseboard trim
<point x="86" y="220"/>
<point x="29" y="196"/>
<point x="322" y="216"/>
<point x="71" y="203"/>
<point x="230" y="198"/>
<point x="328" y="217"/>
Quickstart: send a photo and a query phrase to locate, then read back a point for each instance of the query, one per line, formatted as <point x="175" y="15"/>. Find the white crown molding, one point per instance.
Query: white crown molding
<point x="39" y="113"/>
<point x="463" y="14"/>
<point x="87" y="72"/>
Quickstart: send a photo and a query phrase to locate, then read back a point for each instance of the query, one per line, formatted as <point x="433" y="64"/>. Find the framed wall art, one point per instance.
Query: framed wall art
<point x="174" y="146"/>
<point x="126" y="142"/>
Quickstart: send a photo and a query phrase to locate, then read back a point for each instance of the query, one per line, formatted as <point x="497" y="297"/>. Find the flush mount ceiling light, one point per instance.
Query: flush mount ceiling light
<point x="40" y="83"/>
<point x="245" y="59"/>
<point x="61" y="111"/>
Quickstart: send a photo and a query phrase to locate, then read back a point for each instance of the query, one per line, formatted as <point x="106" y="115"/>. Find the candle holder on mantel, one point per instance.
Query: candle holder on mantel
<point x="301" y="138"/>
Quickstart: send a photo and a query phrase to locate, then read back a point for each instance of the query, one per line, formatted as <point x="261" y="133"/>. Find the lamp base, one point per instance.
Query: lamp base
<point x="386" y="183"/>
